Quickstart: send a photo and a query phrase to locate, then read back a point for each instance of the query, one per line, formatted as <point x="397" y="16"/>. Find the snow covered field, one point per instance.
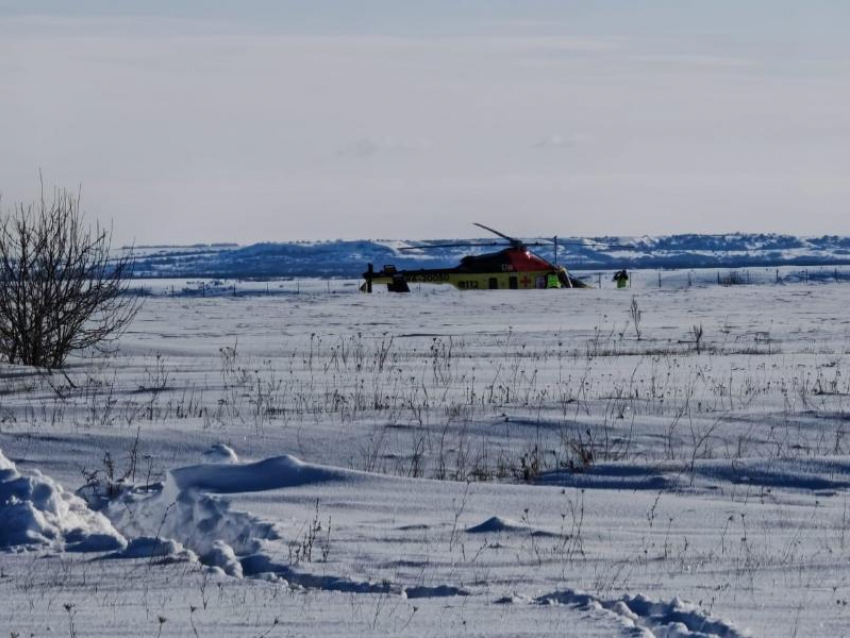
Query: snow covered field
<point x="442" y="463"/>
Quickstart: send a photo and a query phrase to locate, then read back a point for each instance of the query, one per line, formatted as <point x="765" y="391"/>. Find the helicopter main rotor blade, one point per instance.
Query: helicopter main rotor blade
<point x="564" y="242"/>
<point x="464" y="245"/>
<point x="513" y="240"/>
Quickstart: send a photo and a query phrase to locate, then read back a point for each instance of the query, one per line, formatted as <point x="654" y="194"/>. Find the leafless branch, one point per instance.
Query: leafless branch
<point x="60" y="289"/>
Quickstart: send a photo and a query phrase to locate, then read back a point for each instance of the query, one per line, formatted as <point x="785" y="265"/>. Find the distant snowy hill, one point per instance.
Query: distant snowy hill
<point x="349" y="258"/>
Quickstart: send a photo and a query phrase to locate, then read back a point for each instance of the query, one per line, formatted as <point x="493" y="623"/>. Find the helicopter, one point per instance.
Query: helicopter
<point x="514" y="267"/>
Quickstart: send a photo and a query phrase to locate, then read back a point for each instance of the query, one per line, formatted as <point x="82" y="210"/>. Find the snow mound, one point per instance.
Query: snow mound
<point x="36" y="512"/>
<point x="178" y="520"/>
<point x="182" y="510"/>
<point x="201" y="522"/>
<point x="619" y="476"/>
<point x="222" y="556"/>
<point x="497" y="524"/>
<point x="220" y="454"/>
<point x="154" y="547"/>
<point x="270" y="474"/>
<point x="262" y="565"/>
<point x="6" y="464"/>
<point x="653" y="619"/>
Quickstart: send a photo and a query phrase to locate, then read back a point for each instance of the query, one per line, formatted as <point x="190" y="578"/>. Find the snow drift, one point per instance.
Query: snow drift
<point x="201" y="522"/>
<point x="220" y="453"/>
<point x="36" y="512"/>
<point x="185" y="508"/>
<point x="650" y="618"/>
<point x="179" y="519"/>
<point x="269" y="474"/>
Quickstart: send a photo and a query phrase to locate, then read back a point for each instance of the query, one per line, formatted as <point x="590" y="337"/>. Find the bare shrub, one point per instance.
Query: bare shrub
<point x="697" y="331"/>
<point x="635" y="315"/>
<point x="60" y="290"/>
<point x="301" y="548"/>
<point x="108" y="481"/>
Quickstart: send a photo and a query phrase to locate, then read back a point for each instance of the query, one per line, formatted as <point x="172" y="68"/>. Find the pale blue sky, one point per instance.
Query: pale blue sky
<point x="249" y="121"/>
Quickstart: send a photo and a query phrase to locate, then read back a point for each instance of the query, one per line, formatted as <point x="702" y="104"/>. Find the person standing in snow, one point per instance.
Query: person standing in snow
<point x="622" y="278"/>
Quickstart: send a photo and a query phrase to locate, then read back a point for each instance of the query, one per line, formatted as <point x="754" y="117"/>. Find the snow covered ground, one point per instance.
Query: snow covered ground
<point x="653" y="462"/>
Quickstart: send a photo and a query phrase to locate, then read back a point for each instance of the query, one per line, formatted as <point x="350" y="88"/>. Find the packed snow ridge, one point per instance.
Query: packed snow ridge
<point x="646" y="618"/>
